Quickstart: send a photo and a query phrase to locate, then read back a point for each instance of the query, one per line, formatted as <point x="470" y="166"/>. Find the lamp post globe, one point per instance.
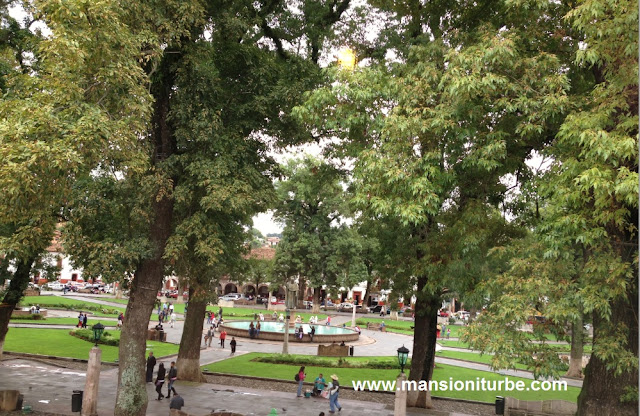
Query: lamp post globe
<point x="403" y="355"/>
<point x="97" y="332"/>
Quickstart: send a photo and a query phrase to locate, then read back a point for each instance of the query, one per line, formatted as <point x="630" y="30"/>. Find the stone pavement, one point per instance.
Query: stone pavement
<point x="49" y="389"/>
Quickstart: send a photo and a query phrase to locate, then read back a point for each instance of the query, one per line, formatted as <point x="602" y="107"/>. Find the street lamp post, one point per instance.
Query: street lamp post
<point x="285" y="344"/>
<point x="90" y="396"/>
<point x="353" y="313"/>
<point x="400" y="402"/>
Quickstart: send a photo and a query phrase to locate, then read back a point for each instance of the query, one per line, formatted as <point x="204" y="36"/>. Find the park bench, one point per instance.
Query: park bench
<point x="376" y="327"/>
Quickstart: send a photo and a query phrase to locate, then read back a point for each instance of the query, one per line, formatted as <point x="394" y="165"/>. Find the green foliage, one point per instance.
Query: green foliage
<point x="316" y="244"/>
<point x="107" y="338"/>
<point x="377" y="363"/>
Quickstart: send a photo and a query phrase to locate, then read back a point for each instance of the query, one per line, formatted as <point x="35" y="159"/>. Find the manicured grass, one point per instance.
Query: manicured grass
<point x="59" y="343"/>
<point x="471" y="356"/>
<point x="62" y="321"/>
<point x="399" y="327"/>
<point x="76" y="305"/>
<point x="244" y="365"/>
<point x="557" y="347"/>
<point x="247" y="313"/>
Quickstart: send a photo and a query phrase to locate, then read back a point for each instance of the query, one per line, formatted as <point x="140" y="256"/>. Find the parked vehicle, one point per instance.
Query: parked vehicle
<point x="344" y="307"/>
<point x="378" y="308"/>
<point x="232" y="296"/>
<point x="307" y="304"/>
<point x="327" y="305"/>
<point x="443" y="313"/>
<point x="55" y="285"/>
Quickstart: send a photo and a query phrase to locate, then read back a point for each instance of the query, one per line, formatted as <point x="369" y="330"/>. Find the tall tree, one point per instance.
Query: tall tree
<point x="224" y="82"/>
<point x="316" y="247"/>
<point x="70" y="101"/>
<point x="466" y="104"/>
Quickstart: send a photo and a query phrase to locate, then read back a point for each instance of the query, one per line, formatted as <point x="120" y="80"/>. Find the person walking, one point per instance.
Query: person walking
<point x="173" y="376"/>
<point x="84" y="321"/>
<point x="209" y="337"/>
<point x="173" y="319"/>
<point x="80" y="320"/>
<point x="160" y="381"/>
<point x="233" y="345"/>
<point x="151" y="363"/>
<point x="223" y="336"/>
<point x="300" y="380"/>
<point x="334" y="391"/>
<point x="120" y="321"/>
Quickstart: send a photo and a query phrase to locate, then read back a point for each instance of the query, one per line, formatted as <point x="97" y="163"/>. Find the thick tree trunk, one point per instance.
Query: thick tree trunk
<point x="603" y="392"/>
<point x="577" y="349"/>
<point x="302" y="290"/>
<point x="131" y="399"/>
<point x="19" y="282"/>
<point x="367" y="300"/>
<point x="424" y="344"/>
<point x="189" y="354"/>
<point x="316" y="300"/>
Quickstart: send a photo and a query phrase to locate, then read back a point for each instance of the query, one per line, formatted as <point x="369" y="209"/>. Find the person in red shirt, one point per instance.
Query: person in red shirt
<point x="223" y="336"/>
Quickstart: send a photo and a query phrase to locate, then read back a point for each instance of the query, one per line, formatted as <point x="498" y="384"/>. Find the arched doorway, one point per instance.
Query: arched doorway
<point x="263" y="291"/>
<point x="249" y="290"/>
<point x="230" y="288"/>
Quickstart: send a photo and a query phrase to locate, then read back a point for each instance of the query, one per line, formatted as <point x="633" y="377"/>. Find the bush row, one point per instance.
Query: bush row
<point x="82" y="307"/>
<point x="340" y="362"/>
<point x="32" y="317"/>
<point x="87" y="334"/>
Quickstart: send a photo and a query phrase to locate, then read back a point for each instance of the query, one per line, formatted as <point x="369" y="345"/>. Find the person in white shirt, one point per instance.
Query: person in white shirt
<point x="173" y="318"/>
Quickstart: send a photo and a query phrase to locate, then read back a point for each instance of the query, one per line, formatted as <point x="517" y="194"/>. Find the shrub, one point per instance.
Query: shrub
<point x="87" y="334"/>
<point x="340" y="362"/>
<point x="32" y="317"/>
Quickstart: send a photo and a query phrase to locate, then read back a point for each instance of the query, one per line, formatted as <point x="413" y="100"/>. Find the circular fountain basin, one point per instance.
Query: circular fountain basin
<point x="274" y="331"/>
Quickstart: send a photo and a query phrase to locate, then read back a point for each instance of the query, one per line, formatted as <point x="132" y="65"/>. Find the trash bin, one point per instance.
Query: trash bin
<point x="161" y="336"/>
<point x="76" y="401"/>
<point x="351" y="348"/>
<point x="20" y="401"/>
<point x="499" y="405"/>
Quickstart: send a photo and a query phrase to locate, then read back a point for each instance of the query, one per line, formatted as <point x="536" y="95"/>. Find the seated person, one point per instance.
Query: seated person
<point x="159" y="327"/>
<point x="318" y="385"/>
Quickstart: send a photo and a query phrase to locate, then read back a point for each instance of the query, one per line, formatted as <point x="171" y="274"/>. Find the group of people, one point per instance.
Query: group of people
<point x="166" y="313"/>
<point x="299" y="332"/>
<point x="254" y="330"/>
<point x="35" y="309"/>
<point x="82" y="321"/>
<point x="442" y="330"/>
<point x="161" y="376"/>
<point x="321" y="388"/>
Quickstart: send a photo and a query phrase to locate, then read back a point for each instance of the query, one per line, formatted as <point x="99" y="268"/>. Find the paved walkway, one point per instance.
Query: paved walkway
<point x="49" y="389"/>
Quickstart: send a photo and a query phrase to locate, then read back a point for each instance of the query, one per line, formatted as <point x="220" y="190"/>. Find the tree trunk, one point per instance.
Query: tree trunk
<point x="131" y="399"/>
<point x="302" y="289"/>
<point x="189" y="354"/>
<point x="424" y="344"/>
<point x="316" y="300"/>
<point x="19" y="282"/>
<point x="577" y="348"/>
<point x="367" y="300"/>
<point x="602" y="390"/>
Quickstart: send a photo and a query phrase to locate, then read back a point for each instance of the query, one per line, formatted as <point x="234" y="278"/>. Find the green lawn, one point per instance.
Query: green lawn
<point x="471" y="356"/>
<point x="62" y="321"/>
<point x="59" y="343"/>
<point x="558" y="347"/>
<point x="243" y="365"/>
<point x="76" y="305"/>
